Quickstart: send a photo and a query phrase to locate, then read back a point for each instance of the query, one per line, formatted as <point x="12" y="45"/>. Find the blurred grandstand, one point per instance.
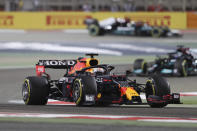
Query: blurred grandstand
<point x="98" y="5"/>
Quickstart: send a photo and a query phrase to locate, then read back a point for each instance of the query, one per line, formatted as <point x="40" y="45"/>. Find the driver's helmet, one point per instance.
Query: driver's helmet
<point x="120" y="20"/>
<point x="139" y="23"/>
<point x="187" y="51"/>
<point x="184" y="50"/>
<point x="127" y="19"/>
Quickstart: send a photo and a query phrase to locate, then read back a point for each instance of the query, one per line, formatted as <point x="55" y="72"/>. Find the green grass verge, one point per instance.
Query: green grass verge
<point x="191" y="100"/>
<point x="100" y="122"/>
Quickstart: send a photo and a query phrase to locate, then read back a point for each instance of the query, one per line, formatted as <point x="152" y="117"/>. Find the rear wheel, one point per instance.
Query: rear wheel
<point x="156" y="32"/>
<point x="182" y="67"/>
<point x="84" y="90"/>
<point x="141" y="65"/>
<point x="157" y="87"/>
<point x="94" y="30"/>
<point x="165" y="30"/>
<point x="35" y="90"/>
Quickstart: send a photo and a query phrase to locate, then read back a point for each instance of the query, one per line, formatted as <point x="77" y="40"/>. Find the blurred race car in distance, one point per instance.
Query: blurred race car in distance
<point x="120" y="26"/>
<point x="86" y="82"/>
<point x="182" y="62"/>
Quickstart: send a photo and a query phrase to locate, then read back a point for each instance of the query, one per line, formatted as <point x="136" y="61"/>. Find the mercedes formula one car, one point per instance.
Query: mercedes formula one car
<point x="88" y="83"/>
<point x="182" y="62"/>
<point x="119" y="26"/>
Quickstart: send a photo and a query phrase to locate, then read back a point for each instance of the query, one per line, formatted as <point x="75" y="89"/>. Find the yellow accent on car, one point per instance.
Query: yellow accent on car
<point x="28" y="85"/>
<point x="184" y="70"/>
<point x="158" y="34"/>
<point x="91" y="62"/>
<point x="95" y="28"/>
<point x="153" y="88"/>
<point x="143" y="64"/>
<point x="99" y="95"/>
<point x="80" y="86"/>
<point x="131" y="92"/>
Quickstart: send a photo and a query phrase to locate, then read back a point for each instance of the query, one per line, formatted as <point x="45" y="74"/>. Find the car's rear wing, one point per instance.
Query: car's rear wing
<point x="54" y="64"/>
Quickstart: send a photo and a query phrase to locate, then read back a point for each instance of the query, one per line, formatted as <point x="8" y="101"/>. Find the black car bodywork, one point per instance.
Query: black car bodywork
<point x="182" y="62"/>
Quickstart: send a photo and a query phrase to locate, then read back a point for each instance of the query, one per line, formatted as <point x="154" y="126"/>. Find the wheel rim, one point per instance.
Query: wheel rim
<point x="76" y="92"/>
<point x="93" y="30"/>
<point x="184" y="68"/>
<point x="150" y="90"/>
<point x="25" y="91"/>
<point x="156" y="32"/>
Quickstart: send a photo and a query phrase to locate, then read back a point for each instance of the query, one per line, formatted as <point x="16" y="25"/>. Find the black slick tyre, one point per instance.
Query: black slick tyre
<point x="157" y="86"/>
<point x="35" y="90"/>
<point x="165" y="31"/>
<point x="140" y="64"/>
<point x="83" y="86"/>
<point x="156" y="32"/>
<point x="94" y="30"/>
<point x="182" y="67"/>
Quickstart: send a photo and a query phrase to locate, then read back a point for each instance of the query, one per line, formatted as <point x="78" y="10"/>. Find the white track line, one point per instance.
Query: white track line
<point x="134" y="48"/>
<point x="36" y="46"/>
<point x="104" y="117"/>
<point x="12" y="31"/>
<point x="188" y="93"/>
<point x="75" y="31"/>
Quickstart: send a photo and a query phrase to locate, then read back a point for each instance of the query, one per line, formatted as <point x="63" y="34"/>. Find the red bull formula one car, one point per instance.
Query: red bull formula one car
<point x="86" y="82"/>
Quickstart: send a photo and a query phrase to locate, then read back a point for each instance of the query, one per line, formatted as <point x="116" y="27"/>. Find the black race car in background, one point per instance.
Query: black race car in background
<point x="182" y="62"/>
<point x="88" y="83"/>
<point x="120" y="26"/>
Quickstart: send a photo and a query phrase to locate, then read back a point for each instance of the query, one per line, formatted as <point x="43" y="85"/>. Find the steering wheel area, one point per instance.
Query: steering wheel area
<point x="98" y="69"/>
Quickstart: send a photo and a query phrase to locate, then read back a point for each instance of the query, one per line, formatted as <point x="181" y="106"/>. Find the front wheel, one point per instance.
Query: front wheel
<point x="156" y="88"/>
<point x="182" y="67"/>
<point x="156" y="32"/>
<point x="94" y="30"/>
<point x="35" y="90"/>
<point x="166" y="30"/>
<point x="140" y="66"/>
<point x="84" y="90"/>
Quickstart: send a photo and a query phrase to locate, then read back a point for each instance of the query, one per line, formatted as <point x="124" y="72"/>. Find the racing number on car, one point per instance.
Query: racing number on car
<point x="99" y="79"/>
